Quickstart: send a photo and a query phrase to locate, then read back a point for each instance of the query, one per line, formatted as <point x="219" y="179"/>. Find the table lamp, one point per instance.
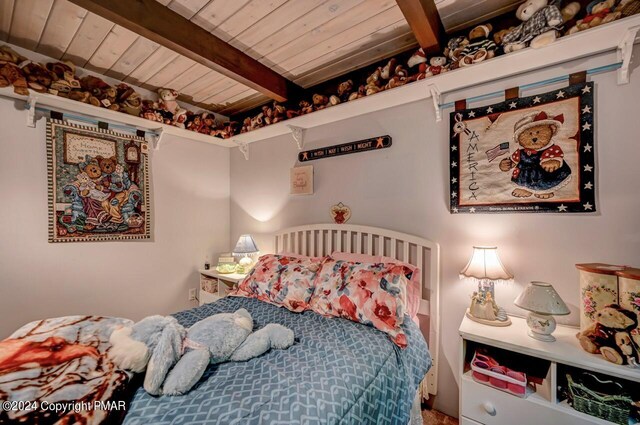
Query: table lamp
<point x="245" y="247"/>
<point x="542" y="302"/>
<point x="485" y="268"/>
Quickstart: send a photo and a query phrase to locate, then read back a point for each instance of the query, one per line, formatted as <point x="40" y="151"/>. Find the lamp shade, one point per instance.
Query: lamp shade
<point x="485" y="264"/>
<point x="245" y="245"/>
<point x="540" y="297"/>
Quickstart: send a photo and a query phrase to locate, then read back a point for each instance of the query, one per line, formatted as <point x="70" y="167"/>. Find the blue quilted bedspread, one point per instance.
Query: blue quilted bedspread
<point x="337" y="372"/>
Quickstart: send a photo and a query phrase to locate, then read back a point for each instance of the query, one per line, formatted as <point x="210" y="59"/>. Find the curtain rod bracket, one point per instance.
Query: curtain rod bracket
<point x="244" y="148"/>
<point x="625" y="49"/>
<point x="31" y="111"/>
<point x="435" y="97"/>
<point x="298" y="135"/>
<point x="158" y="139"/>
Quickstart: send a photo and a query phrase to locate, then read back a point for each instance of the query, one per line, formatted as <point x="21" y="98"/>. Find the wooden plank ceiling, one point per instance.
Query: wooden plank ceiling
<point x="306" y="41"/>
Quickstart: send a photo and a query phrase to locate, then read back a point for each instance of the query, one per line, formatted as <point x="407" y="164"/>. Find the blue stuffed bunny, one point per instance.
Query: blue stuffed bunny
<point x="176" y="358"/>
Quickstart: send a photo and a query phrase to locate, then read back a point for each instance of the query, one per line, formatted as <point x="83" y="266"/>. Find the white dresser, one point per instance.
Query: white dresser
<point x="486" y="405"/>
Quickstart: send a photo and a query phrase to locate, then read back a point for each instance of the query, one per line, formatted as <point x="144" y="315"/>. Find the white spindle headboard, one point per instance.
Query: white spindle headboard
<point x="323" y="239"/>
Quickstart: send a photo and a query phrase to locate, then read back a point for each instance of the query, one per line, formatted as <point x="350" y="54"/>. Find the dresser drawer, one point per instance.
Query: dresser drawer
<point x="467" y="421"/>
<point x="494" y="407"/>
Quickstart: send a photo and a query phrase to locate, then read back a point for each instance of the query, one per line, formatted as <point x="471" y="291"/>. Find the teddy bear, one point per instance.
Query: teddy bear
<point x="12" y="75"/>
<point x="345" y="89"/>
<point x="540" y="22"/>
<point x="38" y="77"/>
<point x="399" y="77"/>
<point x="91" y="168"/>
<point x="480" y="46"/>
<point x="437" y="65"/>
<point x="175" y="357"/>
<point x="628" y="7"/>
<point x="87" y="187"/>
<point x="168" y="103"/>
<point x="320" y="101"/>
<point x="598" y="13"/>
<point x="305" y="107"/>
<point x="257" y="121"/>
<point x="102" y="94"/>
<point x="610" y="335"/>
<point x="419" y="58"/>
<point x="7" y="54"/>
<point x="374" y="82"/>
<point x="538" y="165"/>
<point x="453" y="50"/>
<point x="361" y="92"/>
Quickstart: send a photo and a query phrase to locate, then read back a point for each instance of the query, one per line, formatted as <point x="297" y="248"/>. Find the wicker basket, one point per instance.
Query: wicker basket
<point x="613" y="408"/>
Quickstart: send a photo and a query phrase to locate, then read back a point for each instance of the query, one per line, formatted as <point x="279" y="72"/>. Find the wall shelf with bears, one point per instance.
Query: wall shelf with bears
<point x="615" y="39"/>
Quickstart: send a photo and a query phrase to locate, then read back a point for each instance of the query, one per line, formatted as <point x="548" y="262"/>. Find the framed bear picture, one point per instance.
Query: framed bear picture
<point x="529" y="154"/>
<point x="98" y="184"/>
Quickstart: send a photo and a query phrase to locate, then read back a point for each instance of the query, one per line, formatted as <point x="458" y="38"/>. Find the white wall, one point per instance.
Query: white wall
<point x="190" y="198"/>
<point x="405" y="188"/>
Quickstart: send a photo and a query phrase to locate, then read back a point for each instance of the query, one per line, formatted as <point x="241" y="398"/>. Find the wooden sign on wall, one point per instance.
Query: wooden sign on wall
<point x="346" y="148"/>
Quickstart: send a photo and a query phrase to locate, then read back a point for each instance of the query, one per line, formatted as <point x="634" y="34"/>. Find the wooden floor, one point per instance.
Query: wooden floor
<point x="433" y="417"/>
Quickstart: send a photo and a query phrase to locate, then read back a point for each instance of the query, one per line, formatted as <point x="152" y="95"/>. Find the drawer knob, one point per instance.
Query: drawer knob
<point x="489" y="408"/>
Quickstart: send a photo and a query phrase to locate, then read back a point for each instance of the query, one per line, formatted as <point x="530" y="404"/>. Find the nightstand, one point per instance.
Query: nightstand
<point x="215" y="285"/>
<point x="548" y="363"/>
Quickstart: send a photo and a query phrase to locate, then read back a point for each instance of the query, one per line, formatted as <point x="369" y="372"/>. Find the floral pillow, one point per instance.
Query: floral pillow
<point x="281" y="280"/>
<point x="370" y="293"/>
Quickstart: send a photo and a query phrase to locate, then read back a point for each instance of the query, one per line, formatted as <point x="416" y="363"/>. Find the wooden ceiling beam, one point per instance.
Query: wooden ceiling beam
<point x="160" y="24"/>
<point x="424" y="20"/>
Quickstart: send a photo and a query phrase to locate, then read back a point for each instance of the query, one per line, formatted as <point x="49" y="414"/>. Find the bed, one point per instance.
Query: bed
<point x="337" y="372"/>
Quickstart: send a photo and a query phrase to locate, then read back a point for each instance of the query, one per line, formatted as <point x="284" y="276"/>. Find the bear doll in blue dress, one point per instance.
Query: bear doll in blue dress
<point x="538" y="165"/>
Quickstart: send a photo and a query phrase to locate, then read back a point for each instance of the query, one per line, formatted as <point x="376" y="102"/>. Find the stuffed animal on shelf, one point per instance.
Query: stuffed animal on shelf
<point x="374" y="82"/>
<point x="175" y="357"/>
<point x="345" y="90"/>
<point x="361" y="92"/>
<point x="399" y="77"/>
<point x="610" y="335"/>
<point x="39" y="78"/>
<point x="129" y="100"/>
<point x="320" y="102"/>
<point x="628" y="7"/>
<point x="65" y="71"/>
<point x="540" y="21"/>
<point x="481" y="46"/>
<point x="12" y="75"/>
<point x="419" y="59"/>
<point x="598" y="13"/>
<point x="454" y="50"/>
<point x="305" y="107"/>
<point x="168" y="103"/>
<point x="102" y="94"/>
<point x="437" y="65"/>
<point x="246" y="125"/>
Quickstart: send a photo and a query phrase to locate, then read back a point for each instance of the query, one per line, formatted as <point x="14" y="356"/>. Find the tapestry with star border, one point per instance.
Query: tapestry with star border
<point x="529" y="154"/>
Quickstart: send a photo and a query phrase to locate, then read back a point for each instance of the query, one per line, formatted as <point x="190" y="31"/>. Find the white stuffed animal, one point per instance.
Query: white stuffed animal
<point x="176" y="358"/>
<point x="539" y="26"/>
<point x="169" y="103"/>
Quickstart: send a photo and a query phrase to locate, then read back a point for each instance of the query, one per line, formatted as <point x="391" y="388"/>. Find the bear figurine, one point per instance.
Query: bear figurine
<point x="540" y="21"/>
<point x="481" y="46"/>
<point x="610" y="335"/>
<point x="538" y="165"/>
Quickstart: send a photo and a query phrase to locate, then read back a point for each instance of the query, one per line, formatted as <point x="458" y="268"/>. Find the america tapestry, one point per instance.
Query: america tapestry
<point x="98" y="184"/>
<point x="529" y="154"/>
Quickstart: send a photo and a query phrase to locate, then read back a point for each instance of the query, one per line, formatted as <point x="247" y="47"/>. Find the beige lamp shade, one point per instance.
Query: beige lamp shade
<point x="541" y="297"/>
<point x="485" y="264"/>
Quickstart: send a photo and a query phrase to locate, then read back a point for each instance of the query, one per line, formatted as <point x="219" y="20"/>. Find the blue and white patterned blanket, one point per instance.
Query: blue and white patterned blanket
<point x="337" y="372"/>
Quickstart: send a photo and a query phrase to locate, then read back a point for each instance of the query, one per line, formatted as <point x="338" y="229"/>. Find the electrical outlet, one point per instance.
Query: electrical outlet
<point x="192" y="294"/>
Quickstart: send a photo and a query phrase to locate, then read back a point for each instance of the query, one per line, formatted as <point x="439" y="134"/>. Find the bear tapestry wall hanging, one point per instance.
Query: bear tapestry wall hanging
<point x="529" y="154"/>
<point x="98" y="184"/>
